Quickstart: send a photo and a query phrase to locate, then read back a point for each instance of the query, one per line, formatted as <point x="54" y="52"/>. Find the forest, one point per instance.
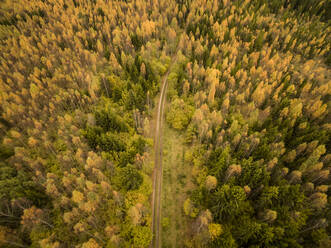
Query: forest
<point x="247" y="102"/>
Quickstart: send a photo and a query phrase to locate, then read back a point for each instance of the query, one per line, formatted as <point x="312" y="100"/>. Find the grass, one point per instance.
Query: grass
<point x="175" y="186"/>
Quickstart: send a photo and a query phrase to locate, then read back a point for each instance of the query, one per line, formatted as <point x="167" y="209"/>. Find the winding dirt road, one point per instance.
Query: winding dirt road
<point x="157" y="175"/>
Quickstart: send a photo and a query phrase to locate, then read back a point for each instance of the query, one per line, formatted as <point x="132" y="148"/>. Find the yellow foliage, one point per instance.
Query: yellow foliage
<point x="77" y="196"/>
<point x="91" y="244"/>
<point x="189" y="209"/>
<point x="215" y="230"/>
<point x="211" y="182"/>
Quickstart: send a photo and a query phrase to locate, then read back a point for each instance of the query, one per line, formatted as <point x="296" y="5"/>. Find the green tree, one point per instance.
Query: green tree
<point x="128" y="178"/>
<point x="179" y="114"/>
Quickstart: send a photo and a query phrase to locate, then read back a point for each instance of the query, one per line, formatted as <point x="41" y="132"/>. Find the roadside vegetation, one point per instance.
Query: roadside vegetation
<point x="176" y="187"/>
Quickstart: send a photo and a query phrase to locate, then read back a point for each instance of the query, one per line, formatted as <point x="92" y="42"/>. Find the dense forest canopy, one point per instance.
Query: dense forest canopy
<point x="249" y="91"/>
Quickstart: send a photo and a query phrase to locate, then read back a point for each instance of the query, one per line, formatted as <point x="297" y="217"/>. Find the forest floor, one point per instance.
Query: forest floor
<point x="176" y="184"/>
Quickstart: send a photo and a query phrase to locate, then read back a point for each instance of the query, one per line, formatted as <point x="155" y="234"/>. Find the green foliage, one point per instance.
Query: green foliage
<point x="128" y="178"/>
<point x="110" y="142"/>
<point x="189" y="208"/>
<point x="229" y="202"/>
<point x="268" y="196"/>
<point x="110" y="121"/>
<point x="179" y="114"/>
<point x="253" y="174"/>
<point x="17" y="185"/>
<point x="5" y="152"/>
<point x="136" y="41"/>
<point x="142" y="236"/>
<point x="258" y="42"/>
<point x="224" y="241"/>
<point x="218" y="160"/>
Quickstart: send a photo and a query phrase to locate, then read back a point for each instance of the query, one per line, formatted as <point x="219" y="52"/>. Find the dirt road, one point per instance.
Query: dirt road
<point x="157" y="175"/>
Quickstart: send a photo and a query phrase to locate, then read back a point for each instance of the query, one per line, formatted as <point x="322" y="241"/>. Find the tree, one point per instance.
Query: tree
<point x="34" y="216"/>
<point x="142" y="236"/>
<point x="135" y="214"/>
<point x="233" y="169"/>
<point x="211" y="182"/>
<point x="269" y="196"/>
<point x="189" y="208"/>
<point x="215" y="230"/>
<point x="91" y="244"/>
<point x="228" y="202"/>
<point x="128" y="178"/>
<point x="269" y="215"/>
<point x="77" y="196"/>
<point x="318" y="200"/>
<point x="179" y="114"/>
<point x="295" y="176"/>
<point x="204" y="219"/>
<point x="186" y="87"/>
<point x="290" y="156"/>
